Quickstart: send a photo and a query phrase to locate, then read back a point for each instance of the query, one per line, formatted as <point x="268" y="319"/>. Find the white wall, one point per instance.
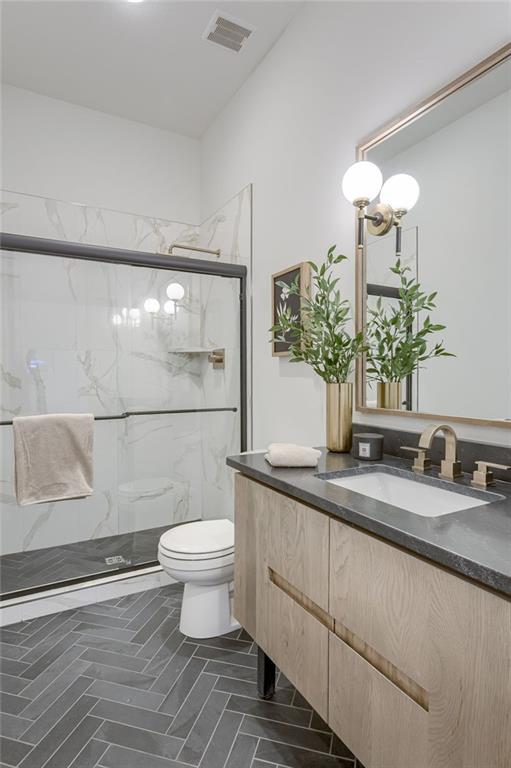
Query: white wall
<point x="332" y="78"/>
<point x="59" y="150"/>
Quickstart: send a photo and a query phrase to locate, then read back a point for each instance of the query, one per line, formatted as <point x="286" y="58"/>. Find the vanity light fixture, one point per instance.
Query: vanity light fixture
<point x="361" y="184"/>
<point x="170" y="307"/>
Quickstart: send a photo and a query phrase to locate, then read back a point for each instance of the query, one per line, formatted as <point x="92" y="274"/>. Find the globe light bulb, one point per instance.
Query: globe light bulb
<point x="170" y="307"/>
<point x="401" y="192"/>
<point x="134" y="313"/>
<point x="117" y="319"/>
<point x="175" y="291"/>
<point x="362" y="181"/>
<point x="152" y="305"/>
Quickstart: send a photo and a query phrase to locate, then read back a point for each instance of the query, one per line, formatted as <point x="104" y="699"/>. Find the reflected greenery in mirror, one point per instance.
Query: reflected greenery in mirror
<point x="321" y="338"/>
<point x="397" y="340"/>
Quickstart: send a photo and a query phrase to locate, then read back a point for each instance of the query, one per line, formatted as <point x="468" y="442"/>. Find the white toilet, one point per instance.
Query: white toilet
<point x="201" y="555"/>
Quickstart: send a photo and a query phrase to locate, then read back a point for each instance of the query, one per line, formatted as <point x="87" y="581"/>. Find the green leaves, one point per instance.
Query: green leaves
<point x="320" y="337"/>
<point x="396" y="341"/>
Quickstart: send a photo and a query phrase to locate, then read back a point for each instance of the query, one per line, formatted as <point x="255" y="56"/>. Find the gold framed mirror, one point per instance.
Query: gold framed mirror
<point x="456" y="243"/>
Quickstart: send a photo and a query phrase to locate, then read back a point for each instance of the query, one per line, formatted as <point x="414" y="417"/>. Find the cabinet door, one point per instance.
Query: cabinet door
<point x="247" y="521"/>
<point x="298" y="643"/>
<point x="378" y="722"/>
<point x="381" y="594"/>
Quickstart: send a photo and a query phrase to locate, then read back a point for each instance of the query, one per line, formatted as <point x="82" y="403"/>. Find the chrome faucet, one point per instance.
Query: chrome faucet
<point x="450" y="467"/>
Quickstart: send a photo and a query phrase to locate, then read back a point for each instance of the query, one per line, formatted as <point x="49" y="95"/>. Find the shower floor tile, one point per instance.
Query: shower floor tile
<point x="40" y="567"/>
<point x="157" y="700"/>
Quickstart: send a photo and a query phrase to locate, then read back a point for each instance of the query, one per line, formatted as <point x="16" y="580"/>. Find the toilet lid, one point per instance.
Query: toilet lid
<point x="201" y="537"/>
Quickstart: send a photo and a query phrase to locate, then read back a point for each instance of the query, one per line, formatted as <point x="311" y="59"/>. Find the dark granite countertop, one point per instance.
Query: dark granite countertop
<point x="475" y="542"/>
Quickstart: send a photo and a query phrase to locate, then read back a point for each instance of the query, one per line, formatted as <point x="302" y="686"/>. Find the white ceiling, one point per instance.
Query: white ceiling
<point x="142" y="61"/>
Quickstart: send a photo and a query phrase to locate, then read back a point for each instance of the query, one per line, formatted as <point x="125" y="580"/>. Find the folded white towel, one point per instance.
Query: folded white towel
<point x="291" y="455"/>
<point x="53" y="457"/>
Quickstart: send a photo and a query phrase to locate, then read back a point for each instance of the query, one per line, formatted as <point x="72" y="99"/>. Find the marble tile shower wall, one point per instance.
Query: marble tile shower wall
<point x="67" y="345"/>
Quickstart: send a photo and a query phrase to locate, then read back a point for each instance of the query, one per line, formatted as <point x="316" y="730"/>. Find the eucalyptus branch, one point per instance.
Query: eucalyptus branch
<point x="394" y="348"/>
<point x="320" y="337"/>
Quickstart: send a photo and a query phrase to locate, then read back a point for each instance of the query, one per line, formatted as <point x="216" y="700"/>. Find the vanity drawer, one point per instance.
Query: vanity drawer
<point x="378" y="722"/>
<point x="298" y="644"/>
<point x="380" y="594"/>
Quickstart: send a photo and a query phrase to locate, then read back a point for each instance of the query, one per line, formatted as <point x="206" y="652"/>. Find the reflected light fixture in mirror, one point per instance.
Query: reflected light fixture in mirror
<point x="152" y="305"/>
<point x="361" y="184"/>
<point x="170" y="307"/>
<point x="175" y="291"/>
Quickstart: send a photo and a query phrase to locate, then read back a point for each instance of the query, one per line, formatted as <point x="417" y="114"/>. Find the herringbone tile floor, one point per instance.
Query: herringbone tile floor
<point x="116" y="685"/>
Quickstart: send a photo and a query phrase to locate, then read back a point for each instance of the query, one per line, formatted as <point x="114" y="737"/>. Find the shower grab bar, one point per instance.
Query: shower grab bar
<point x="127" y="414"/>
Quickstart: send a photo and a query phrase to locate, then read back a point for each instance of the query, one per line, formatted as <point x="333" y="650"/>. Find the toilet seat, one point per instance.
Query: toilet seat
<point x="169" y="561"/>
<point x="201" y="540"/>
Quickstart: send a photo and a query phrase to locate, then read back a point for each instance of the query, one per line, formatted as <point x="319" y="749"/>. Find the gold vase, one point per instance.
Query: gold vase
<point x="339" y="412"/>
<point x="388" y="395"/>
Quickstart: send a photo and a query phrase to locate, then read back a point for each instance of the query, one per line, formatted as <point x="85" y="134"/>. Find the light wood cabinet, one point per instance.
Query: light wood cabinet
<point x="379" y="723"/>
<point x="408" y="663"/>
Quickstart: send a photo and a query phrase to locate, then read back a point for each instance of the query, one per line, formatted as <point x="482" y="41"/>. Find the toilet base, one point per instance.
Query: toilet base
<point x="207" y="611"/>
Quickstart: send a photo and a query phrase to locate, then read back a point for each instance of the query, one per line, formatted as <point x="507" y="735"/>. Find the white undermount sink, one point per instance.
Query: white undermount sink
<point x="412" y="495"/>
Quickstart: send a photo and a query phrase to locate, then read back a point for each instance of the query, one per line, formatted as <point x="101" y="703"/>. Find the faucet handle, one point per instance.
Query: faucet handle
<point x="422" y="462"/>
<point x="483" y="476"/>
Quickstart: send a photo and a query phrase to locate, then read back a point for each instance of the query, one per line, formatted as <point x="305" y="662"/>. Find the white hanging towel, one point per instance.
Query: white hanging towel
<point x="53" y="457"/>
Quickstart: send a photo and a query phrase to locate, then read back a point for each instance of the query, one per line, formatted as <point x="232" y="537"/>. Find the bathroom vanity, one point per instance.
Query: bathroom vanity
<point x="394" y="625"/>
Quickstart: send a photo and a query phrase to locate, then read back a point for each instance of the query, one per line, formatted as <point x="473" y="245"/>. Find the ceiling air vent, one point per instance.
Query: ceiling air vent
<point x="228" y="32"/>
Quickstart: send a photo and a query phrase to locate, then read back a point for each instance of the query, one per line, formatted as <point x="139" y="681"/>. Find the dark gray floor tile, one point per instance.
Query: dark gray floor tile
<point x="198" y="738"/>
<point x="121" y="676"/>
<point x="51" y="655"/>
<point x="259" y="764"/>
<point x="12" y="638"/>
<point x="49" y="642"/>
<point x="191" y="707"/>
<point x="130" y="715"/>
<point x="145" y="614"/>
<point x="12" y="667"/>
<point x="165" y="652"/>
<point x="12" y="726"/>
<point x="243" y="635"/>
<point x="175" y="666"/>
<point x="227" y="657"/>
<point x="244" y="688"/>
<point x="270" y="710"/>
<point x="340" y="749"/>
<point x="231" y="670"/>
<point x="221" y="742"/>
<point x="53" y="691"/>
<point x="59" y="733"/>
<point x="12" y="704"/>
<point x="143" y="598"/>
<point x="242" y="752"/>
<point x="136" y="738"/>
<point x="158" y="638"/>
<point x="13" y="752"/>
<point x="114" y="659"/>
<point x="125" y="635"/>
<point x="54" y="624"/>
<point x="225" y="643"/>
<point x="295" y="757"/>
<point x="289" y="734"/>
<point x="54" y="712"/>
<point x="101" y="621"/>
<point x="151" y="625"/>
<point x="12" y="684"/>
<point x="74" y="743"/>
<point x="125" y="695"/>
<point x="8" y="651"/>
<point x="120" y="757"/>
<point x="300" y="701"/>
<point x="318" y="723"/>
<point x="90" y="754"/>
<point x="105" y="608"/>
<point x="106" y="644"/>
<point x="182" y="686"/>
<point x="61" y="663"/>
